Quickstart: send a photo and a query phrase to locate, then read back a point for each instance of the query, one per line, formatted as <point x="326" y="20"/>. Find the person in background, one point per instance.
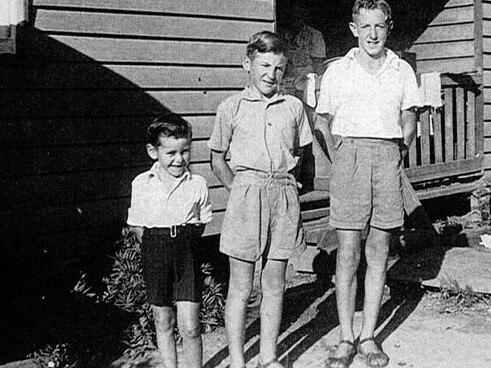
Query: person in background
<point x="306" y="47"/>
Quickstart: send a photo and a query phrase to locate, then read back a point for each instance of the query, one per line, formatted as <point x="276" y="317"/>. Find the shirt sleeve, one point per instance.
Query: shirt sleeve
<point x="205" y="204"/>
<point x="325" y="104"/>
<point x="304" y="132"/>
<point x="411" y="96"/>
<point x="136" y="212"/>
<point x="222" y="129"/>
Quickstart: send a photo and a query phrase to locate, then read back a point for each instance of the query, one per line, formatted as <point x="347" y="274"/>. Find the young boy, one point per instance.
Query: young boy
<point x="169" y="207"/>
<point x="265" y="132"/>
<point x="369" y="96"/>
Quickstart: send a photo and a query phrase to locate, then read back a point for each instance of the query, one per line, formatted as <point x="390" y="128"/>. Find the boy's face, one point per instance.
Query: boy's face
<point x="172" y="154"/>
<point x="265" y="71"/>
<point x="371" y="29"/>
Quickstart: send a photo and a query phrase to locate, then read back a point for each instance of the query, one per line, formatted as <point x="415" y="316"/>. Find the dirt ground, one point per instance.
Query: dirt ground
<point x="417" y="329"/>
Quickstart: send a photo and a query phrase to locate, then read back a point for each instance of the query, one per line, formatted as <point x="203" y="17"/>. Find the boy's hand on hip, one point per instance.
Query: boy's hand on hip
<point x="404" y="150"/>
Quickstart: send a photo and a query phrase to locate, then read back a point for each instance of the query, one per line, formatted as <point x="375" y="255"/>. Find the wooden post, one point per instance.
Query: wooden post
<point x="449" y="107"/>
<point x="470" y="147"/>
<point x="413" y="160"/>
<point x="424" y="118"/>
<point x="460" y="121"/>
<point x="437" y="134"/>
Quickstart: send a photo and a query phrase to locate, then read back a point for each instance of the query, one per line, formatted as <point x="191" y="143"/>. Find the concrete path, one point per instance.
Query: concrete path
<point x="413" y="331"/>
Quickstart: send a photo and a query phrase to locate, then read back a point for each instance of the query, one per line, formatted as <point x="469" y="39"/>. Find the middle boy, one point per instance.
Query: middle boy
<point x="265" y="132"/>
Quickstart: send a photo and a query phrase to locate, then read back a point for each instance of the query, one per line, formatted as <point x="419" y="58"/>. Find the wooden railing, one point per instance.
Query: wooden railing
<point x="450" y="139"/>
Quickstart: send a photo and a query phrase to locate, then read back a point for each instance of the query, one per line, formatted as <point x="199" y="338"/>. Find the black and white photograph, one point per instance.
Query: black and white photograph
<point x="245" y="183"/>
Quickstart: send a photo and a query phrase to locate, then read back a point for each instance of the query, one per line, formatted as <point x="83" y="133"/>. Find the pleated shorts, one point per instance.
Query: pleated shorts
<point x="262" y="217"/>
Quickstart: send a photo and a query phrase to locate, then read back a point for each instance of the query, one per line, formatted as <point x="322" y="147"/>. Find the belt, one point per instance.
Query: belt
<point x="174" y="229"/>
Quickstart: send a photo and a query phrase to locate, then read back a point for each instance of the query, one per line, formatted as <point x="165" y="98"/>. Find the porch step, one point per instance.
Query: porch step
<point x="319" y="236"/>
<point x="446" y="190"/>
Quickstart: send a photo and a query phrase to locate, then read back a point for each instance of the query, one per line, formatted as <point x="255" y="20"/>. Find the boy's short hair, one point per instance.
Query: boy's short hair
<point x="168" y="125"/>
<point x="370" y="5"/>
<point x="266" y="41"/>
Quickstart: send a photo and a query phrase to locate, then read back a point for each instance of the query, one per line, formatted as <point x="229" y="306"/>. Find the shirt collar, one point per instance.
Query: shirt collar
<point x="252" y="94"/>
<point x="154" y="172"/>
<point x="392" y="59"/>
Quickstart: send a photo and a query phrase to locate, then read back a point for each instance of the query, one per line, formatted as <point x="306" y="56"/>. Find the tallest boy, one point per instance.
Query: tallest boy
<point x="369" y="98"/>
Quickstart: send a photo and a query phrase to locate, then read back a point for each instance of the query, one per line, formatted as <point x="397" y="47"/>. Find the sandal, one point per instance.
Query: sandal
<point x="343" y="361"/>
<point x="265" y="365"/>
<point x="371" y="359"/>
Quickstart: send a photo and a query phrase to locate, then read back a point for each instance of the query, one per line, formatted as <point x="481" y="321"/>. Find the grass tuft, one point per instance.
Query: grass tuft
<point x="454" y="298"/>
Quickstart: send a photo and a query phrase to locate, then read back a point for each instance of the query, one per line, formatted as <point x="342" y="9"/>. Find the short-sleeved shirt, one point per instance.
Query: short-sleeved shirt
<point x="262" y="135"/>
<point x="157" y="203"/>
<point x="366" y="105"/>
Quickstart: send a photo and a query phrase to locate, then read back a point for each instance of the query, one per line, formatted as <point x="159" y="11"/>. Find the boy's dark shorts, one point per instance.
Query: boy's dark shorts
<point x="172" y="265"/>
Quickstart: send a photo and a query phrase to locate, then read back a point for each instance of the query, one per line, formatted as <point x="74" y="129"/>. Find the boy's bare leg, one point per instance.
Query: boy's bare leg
<point x="165" y="322"/>
<point x="239" y="290"/>
<point x="190" y="330"/>
<point x="273" y="285"/>
<point x="347" y="261"/>
<point x="376" y="252"/>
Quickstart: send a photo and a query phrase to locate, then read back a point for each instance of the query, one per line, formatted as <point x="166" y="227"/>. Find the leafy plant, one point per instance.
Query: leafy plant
<point x="57" y="356"/>
<point x="125" y="289"/>
<point x="213" y="305"/>
<point x="483" y="195"/>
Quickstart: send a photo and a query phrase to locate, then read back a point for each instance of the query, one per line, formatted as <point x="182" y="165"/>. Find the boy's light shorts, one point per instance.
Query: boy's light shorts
<point x="366" y="184"/>
<point x="262" y="217"/>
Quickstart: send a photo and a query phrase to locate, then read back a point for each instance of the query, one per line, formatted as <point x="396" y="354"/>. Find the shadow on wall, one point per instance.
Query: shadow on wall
<point x="411" y="18"/>
<point x="71" y="133"/>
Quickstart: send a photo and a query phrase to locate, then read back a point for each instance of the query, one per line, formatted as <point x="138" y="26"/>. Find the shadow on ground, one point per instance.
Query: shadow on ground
<point x="310" y="314"/>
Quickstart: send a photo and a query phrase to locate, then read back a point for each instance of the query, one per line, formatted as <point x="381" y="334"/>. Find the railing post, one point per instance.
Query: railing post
<point x="437" y="134"/>
<point x="449" y="108"/>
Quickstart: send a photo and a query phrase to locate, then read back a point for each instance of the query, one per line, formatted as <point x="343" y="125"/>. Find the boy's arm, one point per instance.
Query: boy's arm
<point x="221" y="169"/>
<point x="408" y="123"/>
<point x="323" y="124"/>
<point x="298" y="168"/>
<point x="205" y="215"/>
<point x="138" y="231"/>
<point x="137" y="209"/>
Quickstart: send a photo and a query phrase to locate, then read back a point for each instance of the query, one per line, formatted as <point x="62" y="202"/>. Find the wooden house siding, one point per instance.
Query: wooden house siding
<point x="457" y="41"/>
<point x="447" y="45"/>
<point x="78" y="96"/>
<point x="486" y="45"/>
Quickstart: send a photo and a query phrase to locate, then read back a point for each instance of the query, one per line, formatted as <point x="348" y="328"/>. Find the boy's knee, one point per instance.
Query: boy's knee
<point x="273" y="286"/>
<point x="192" y="331"/>
<point x="240" y="292"/>
<point x="164" y="323"/>
<point x="348" y="255"/>
<point x="239" y="295"/>
<point x="377" y="252"/>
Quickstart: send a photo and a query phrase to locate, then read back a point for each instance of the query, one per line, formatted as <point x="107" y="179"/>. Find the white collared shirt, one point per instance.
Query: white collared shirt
<point x="364" y="104"/>
<point x="154" y="205"/>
